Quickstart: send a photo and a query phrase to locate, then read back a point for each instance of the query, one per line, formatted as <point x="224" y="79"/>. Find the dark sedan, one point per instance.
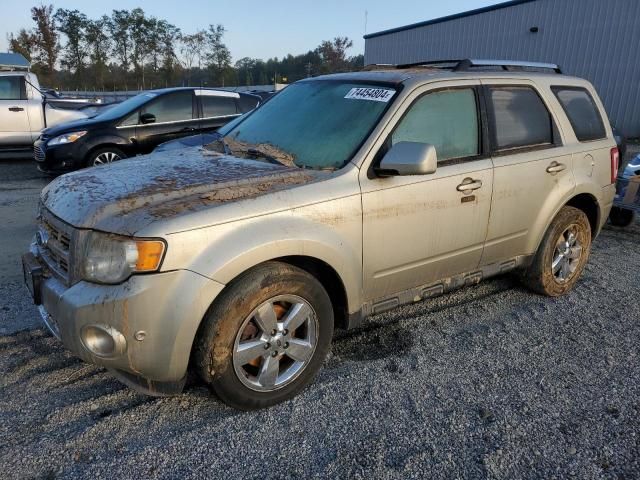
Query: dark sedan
<point x="137" y="126"/>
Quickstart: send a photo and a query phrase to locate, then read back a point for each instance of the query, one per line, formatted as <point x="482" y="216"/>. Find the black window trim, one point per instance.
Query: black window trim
<point x="556" y="140"/>
<point x="555" y="88"/>
<point x="481" y="116"/>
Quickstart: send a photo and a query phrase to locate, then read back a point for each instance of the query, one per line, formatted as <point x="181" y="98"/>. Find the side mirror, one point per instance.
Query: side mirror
<point x="146" y="118"/>
<point x="408" y="158"/>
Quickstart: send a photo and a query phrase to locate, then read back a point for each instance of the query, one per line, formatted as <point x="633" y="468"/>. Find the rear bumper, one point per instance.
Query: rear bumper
<point x="154" y="319"/>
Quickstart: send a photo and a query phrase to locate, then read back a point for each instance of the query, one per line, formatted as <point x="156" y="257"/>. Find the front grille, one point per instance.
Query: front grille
<point x="54" y="239"/>
<point x="39" y="154"/>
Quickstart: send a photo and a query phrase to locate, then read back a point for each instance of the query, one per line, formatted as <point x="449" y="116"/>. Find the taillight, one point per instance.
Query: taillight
<point x="615" y="163"/>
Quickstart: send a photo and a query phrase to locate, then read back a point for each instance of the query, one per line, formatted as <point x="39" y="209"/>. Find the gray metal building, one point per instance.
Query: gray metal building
<point x="595" y="39"/>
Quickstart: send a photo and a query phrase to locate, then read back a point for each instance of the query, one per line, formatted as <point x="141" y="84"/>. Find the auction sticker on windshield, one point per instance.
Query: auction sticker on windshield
<point x="375" y="94"/>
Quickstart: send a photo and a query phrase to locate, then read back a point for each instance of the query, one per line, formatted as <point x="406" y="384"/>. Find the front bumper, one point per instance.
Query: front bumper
<point x="59" y="158"/>
<point x="157" y="316"/>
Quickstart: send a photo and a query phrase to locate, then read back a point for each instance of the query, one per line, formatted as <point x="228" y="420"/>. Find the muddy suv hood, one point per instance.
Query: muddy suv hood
<point x="127" y="196"/>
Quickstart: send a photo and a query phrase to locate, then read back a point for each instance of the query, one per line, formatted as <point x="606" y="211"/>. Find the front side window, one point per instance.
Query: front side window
<point x="518" y="118"/>
<point x="317" y="124"/>
<point x="582" y="113"/>
<point x="447" y="119"/>
<point x="213" y="106"/>
<point x="172" y="107"/>
<point x="12" y="88"/>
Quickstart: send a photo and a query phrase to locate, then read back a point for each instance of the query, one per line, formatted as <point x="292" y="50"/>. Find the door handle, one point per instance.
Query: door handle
<point x="469" y="184"/>
<point x="556" y="167"/>
<point x="188" y="129"/>
<point x="16" y="109"/>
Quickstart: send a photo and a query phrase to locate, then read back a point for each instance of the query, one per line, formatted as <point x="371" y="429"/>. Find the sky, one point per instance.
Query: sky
<point x="262" y="29"/>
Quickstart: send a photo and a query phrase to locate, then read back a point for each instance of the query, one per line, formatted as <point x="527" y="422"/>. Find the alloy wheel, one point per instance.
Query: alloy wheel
<point x="275" y="343"/>
<point x="105" y="158"/>
<point x="567" y="254"/>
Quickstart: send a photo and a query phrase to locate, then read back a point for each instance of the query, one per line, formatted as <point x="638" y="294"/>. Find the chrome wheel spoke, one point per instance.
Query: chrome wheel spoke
<point x="269" y="371"/>
<point x="299" y="350"/>
<point x="266" y="318"/>
<point x="557" y="263"/>
<point x="296" y="316"/>
<point x="565" y="270"/>
<point x="571" y="238"/>
<point x="250" y="350"/>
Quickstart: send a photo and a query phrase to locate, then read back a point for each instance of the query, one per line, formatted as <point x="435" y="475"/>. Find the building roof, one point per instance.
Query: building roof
<point x="13" y="61"/>
<point x="455" y="16"/>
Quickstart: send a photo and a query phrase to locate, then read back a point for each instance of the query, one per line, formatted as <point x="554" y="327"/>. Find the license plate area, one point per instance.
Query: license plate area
<point x="32" y="272"/>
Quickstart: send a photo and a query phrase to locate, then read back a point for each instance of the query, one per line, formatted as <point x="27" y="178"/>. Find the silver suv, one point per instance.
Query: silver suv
<point x="341" y="197"/>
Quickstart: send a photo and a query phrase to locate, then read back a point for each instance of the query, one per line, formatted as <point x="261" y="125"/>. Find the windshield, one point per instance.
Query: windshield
<point x="312" y="124"/>
<point x="123" y="108"/>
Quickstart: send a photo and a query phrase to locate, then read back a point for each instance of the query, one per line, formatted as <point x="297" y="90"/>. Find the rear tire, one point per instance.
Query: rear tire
<point x="104" y="156"/>
<point x="243" y="349"/>
<point x="562" y="255"/>
<point x="621" y="217"/>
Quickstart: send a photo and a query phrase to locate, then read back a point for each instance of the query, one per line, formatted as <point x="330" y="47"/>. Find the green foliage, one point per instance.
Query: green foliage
<point x="132" y="50"/>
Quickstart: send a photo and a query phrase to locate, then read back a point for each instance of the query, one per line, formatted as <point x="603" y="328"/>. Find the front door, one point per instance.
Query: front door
<point x="15" y="130"/>
<point x="423" y="228"/>
<point x="175" y="115"/>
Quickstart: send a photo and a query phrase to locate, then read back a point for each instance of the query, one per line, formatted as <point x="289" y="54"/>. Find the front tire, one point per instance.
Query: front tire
<point x="104" y="156"/>
<point x="562" y="255"/>
<point x="265" y="338"/>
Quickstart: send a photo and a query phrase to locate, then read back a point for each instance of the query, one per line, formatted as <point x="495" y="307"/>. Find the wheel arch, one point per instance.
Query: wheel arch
<point x="591" y="208"/>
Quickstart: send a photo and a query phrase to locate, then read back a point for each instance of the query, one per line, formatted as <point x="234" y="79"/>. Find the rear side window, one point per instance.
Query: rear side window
<point x="247" y="103"/>
<point x="12" y="88"/>
<point x="447" y="119"/>
<point x="582" y="112"/>
<point x="213" y="106"/>
<point x="518" y="118"/>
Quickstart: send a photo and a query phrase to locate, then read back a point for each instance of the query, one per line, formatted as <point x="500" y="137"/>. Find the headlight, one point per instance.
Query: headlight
<point x="112" y="258"/>
<point x="67" y="138"/>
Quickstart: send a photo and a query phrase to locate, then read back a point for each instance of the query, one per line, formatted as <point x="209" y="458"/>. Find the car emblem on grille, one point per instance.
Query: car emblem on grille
<point x="42" y="237"/>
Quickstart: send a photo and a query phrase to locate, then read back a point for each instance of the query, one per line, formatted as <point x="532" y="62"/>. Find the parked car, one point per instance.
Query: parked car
<point x="343" y="196"/>
<point x="197" y="140"/>
<point x="25" y="111"/>
<point x="137" y="126"/>
<point x="624" y="214"/>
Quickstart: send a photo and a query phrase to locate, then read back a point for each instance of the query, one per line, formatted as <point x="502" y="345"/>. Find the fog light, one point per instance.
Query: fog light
<point x="102" y="340"/>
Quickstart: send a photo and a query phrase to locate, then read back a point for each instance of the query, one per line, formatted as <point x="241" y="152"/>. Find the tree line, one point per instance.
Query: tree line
<point x="130" y="50"/>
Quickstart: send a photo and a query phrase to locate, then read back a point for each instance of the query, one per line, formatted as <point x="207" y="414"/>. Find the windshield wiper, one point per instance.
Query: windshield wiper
<point x="255" y="152"/>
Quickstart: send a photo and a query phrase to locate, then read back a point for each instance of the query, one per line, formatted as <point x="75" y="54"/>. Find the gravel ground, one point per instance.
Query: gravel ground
<point x="489" y="382"/>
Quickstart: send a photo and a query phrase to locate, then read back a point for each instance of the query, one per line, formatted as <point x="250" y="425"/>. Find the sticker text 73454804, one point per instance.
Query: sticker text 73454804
<point x="374" y="94"/>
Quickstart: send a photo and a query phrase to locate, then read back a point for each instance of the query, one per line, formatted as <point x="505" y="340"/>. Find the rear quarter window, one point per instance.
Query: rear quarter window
<point x="582" y="112"/>
<point x="214" y="106"/>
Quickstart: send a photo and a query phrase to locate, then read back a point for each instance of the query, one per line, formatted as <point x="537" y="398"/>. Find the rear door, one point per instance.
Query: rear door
<point x="175" y="116"/>
<point x="533" y="170"/>
<point x="14" y="119"/>
<point x="217" y="108"/>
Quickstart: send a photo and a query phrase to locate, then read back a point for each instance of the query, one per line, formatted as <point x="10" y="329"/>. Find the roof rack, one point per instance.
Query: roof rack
<point x="467" y="64"/>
